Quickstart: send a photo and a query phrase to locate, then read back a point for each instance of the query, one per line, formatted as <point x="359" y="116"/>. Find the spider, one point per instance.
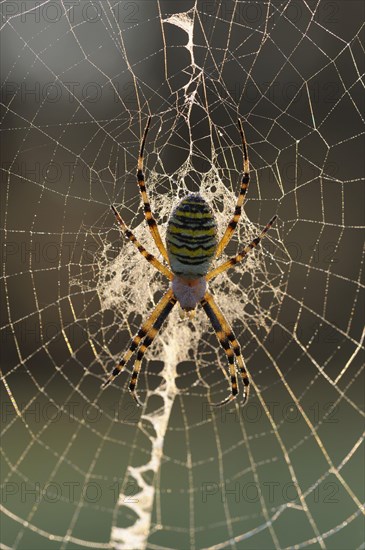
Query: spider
<point x="191" y="246"/>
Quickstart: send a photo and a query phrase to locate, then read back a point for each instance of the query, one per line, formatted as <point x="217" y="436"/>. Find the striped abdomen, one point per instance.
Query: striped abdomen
<point x="191" y="237"/>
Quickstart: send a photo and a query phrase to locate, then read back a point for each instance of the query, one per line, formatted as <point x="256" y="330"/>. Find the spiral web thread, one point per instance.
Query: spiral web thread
<point x="102" y="288"/>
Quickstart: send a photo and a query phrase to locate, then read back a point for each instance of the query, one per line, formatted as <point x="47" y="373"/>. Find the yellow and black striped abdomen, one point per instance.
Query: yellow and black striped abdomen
<point x="191" y="237"/>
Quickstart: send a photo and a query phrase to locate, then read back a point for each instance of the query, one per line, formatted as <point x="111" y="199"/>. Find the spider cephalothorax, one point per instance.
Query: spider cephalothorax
<point x="188" y="292"/>
<point x="191" y="246"/>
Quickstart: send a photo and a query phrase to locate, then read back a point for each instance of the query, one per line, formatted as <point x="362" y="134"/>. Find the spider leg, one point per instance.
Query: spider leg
<point x="233" y="341"/>
<point x="149" y="257"/>
<point x="236" y="259"/>
<point x="241" y="197"/>
<point x="142" y="332"/>
<point x="150" y="336"/>
<point x="147" y="207"/>
<point x="216" y="316"/>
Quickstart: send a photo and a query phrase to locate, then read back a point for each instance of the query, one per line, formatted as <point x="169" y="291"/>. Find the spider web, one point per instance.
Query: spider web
<point x="83" y="467"/>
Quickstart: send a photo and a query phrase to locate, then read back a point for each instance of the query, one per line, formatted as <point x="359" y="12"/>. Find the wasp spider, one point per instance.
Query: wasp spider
<point x="191" y="245"/>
